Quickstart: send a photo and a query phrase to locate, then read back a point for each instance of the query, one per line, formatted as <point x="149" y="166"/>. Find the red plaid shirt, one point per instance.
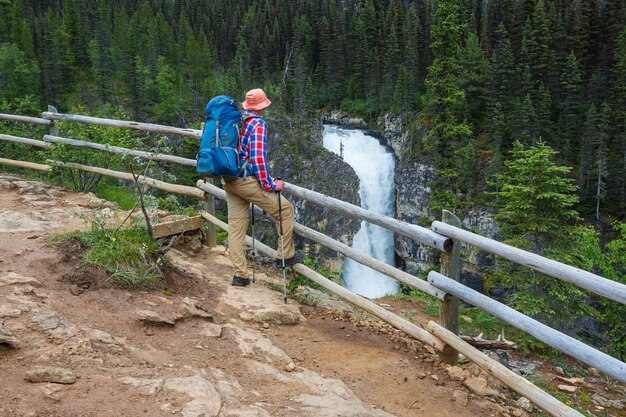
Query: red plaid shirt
<point x="254" y="149"/>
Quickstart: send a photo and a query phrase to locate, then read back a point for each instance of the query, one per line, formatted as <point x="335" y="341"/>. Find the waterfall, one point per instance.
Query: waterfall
<point x="375" y="167"/>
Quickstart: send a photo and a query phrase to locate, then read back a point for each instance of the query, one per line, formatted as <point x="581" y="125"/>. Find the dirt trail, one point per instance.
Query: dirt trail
<point x="232" y="351"/>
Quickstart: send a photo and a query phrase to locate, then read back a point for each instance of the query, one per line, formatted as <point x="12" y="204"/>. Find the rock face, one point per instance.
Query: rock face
<point x="337" y="118"/>
<point x="413" y="192"/>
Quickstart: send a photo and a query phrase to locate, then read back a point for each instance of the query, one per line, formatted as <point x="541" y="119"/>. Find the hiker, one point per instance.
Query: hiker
<point x="255" y="185"/>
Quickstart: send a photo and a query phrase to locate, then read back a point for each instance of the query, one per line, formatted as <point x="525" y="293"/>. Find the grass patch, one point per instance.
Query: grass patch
<point x="122" y="196"/>
<point x="128" y="255"/>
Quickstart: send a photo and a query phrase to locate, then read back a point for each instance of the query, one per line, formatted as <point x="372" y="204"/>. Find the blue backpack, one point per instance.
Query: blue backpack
<point x="219" y="150"/>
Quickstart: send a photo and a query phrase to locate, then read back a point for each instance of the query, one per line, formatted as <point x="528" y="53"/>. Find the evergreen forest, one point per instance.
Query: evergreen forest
<point x="469" y="77"/>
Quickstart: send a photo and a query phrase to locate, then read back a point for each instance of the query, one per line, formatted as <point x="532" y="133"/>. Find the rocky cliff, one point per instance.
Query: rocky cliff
<point x="413" y="191"/>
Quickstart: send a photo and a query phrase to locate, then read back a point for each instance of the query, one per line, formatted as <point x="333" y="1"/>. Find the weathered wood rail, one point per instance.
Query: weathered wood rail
<point x="446" y="236"/>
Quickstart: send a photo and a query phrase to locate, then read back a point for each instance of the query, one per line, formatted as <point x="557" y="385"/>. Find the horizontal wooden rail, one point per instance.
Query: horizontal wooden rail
<point x="517" y="383"/>
<point x="25" y="141"/>
<point x="25" y="119"/>
<point x="346" y="250"/>
<point x="396" y="321"/>
<point x="118" y="150"/>
<point x="421" y="234"/>
<point x="594" y="283"/>
<point x="161" y="185"/>
<point x="123" y="124"/>
<point x="24" y="164"/>
<point x="548" y="335"/>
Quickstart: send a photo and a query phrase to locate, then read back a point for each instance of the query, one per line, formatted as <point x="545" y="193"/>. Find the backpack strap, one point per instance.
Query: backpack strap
<point x="245" y="170"/>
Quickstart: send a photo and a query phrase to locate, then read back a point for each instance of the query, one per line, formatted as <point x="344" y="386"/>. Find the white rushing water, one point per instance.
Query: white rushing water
<point x="375" y="167"/>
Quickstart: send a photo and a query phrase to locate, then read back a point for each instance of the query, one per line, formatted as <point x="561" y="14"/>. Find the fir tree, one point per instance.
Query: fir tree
<point x="446" y="100"/>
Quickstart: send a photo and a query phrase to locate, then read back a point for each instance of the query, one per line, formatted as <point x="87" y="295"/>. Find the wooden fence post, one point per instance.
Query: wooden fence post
<point x="54" y="128"/>
<point x="449" y="308"/>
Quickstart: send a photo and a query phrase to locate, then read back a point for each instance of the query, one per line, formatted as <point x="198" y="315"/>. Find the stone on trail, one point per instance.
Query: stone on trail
<point x="13" y="278"/>
<point x="51" y="374"/>
<point x="479" y="387"/>
<point x="7" y="338"/>
<point x="7" y="311"/>
<point x="276" y="313"/>
<point x="524" y="404"/>
<point x="567" y="388"/>
<point x="147" y="387"/>
<point x="211" y="330"/>
<point x="598" y="399"/>
<point x="52" y="391"/>
<point x="455" y="373"/>
<point x="206" y="402"/>
<point x="196" y="309"/>
<point x="153" y="317"/>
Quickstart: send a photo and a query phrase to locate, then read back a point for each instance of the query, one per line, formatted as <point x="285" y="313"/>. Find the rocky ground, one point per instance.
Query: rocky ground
<point x="74" y="344"/>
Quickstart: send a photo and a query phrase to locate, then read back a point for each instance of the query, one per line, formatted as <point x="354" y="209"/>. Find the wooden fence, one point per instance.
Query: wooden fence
<point x="445" y="236"/>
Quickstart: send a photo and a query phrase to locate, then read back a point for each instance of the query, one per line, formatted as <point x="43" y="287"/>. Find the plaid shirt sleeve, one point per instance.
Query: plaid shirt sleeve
<point x="256" y="133"/>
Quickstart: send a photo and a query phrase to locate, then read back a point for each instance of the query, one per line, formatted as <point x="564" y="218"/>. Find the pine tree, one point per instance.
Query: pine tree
<point x="446" y="100"/>
<point x="600" y="155"/>
<point x="536" y="208"/>
<point x="19" y="76"/>
<point x="474" y="77"/>
<point x="618" y="103"/>
<point x="77" y="38"/>
<point x="527" y="128"/>
<point x="589" y="134"/>
<point x="544" y="114"/>
<point x="570" y="104"/>
<point x="502" y="74"/>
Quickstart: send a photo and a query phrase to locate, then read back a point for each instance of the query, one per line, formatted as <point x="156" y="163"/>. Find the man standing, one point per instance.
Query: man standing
<point x="256" y="186"/>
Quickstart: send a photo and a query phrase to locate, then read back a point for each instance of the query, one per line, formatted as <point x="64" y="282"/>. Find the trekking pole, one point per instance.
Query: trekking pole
<point x="253" y="249"/>
<point x="282" y="242"/>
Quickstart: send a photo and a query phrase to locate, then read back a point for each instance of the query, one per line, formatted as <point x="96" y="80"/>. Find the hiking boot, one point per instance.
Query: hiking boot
<point x="240" y="282"/>
<point x="295" y="259"/>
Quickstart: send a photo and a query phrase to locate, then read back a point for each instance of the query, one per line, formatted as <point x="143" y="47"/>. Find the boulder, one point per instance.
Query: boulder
<point x="455" y="373"/>
<point x="51" y="374"/>
<point x="153" y="317"/>
<point x="13" y="278"/>
<point x="195" y="309"/>
<point x="7" y="338"/>
<point x="479" y="387"/>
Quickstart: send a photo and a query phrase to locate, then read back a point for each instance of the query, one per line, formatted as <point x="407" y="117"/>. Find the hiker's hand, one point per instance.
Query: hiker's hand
<point x="280" y="184"/>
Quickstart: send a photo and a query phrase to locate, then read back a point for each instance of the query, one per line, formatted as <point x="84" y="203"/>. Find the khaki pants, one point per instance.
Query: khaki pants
<point x="239" y="194"/>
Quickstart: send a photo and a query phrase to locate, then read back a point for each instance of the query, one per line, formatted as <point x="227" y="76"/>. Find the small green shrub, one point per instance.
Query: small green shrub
<point x="128" y="254"/>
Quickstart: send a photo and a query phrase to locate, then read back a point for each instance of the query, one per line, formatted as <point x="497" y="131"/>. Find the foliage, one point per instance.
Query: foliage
<point x="609" y="262"/>
<point x="535" y="196"/>
<point x="536" y="207"/>
<point x="84" y="181"/>
<point x="445" y="97"/>
<point x="300" y="280"/>
<point x="27" y="105"/>
<point x="19" y="76"/>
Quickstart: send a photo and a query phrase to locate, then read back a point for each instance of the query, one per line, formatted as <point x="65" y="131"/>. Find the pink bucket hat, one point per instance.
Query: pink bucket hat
<point x="256" y="100"/>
